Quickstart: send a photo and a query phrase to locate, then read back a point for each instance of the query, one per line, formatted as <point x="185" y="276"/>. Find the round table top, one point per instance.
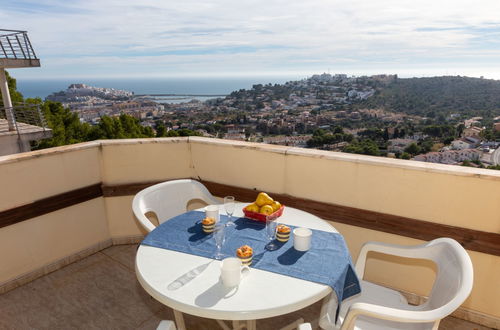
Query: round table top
<point x="260" y="294"/>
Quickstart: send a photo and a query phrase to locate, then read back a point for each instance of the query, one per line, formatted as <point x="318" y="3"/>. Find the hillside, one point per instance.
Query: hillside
<point x="439" y="95"/>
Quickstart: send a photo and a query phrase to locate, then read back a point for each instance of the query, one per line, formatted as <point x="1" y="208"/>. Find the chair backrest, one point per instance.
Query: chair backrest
<point x="168" y="199"/>
<point x="454" y="277"/>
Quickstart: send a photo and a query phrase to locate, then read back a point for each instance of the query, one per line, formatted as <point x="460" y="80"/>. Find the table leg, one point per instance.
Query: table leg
<point x="252" y="325"/>
<point x="223" y="325"/>
<point x="179" y="320"/>
<point x="293" y="325"/>
<point x="237" y="325"/>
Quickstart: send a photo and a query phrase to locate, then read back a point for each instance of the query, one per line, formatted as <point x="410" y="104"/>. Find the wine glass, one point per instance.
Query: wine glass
<point x="229" y="206"/>
<point x="271" y="225"/>
<point x="219" y="237"/>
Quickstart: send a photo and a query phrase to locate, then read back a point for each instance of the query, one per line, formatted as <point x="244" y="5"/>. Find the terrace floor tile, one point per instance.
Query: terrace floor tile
<point x="102" y="292"/>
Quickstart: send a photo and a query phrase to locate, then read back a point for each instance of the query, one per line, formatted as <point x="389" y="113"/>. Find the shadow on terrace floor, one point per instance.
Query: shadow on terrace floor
<point x="101" y="292"/>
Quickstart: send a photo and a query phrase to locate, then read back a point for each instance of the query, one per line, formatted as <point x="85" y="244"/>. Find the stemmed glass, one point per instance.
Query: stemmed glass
<point x="219" y="237"/>
<point x="271" y="225"/>
<point x="229" y="206"/>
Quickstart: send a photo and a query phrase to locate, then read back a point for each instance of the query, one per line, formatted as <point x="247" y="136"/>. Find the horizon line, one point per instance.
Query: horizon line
<point x="291" y="76"/>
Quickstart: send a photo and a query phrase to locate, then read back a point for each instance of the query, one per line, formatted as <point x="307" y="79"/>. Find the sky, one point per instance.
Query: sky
<point x="227" y="38"/>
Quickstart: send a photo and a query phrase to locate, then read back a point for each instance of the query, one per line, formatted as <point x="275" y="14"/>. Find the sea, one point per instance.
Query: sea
<point x="184" y="89"/>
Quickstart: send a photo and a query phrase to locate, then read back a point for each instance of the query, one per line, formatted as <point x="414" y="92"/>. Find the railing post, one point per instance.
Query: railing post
<point x="20" y="46"/>
<point x="11" y="48"/>
<point x="7" y="102"/>
<point x="30" y="46"/>
<point x="3" y="49"/>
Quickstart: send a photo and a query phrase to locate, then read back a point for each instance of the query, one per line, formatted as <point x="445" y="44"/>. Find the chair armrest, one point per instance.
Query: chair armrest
<point x="145" y="222"/>
<point x="415" y="251"/>
<point x="138" y="213"/>
<point x="387" y="313"/>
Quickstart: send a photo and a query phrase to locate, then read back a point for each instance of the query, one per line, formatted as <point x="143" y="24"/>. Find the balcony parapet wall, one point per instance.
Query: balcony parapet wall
<point x="366" y="198"/>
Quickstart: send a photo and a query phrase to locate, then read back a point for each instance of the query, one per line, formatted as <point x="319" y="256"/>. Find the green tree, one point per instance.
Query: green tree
<point x="366" y="147"/>
<point x="161" y="130"/>
<point x="122" y="127"/>
<point x="405" y="155"/>
<point x="66" y="126"/>
<point x="385" y="135"/>
<point x="413" y="149"/>
<point x="188" y="132"/>
<point x="338" y="129"/>
<point x="396" y="133"/>
<point x="172" y="133"/>
<point x="426" y="146"/>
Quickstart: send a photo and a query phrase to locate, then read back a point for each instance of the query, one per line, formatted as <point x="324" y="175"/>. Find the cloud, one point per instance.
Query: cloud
<point x="110" y="38"/>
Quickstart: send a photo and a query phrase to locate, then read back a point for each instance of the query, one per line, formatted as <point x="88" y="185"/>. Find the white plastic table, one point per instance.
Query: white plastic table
<point x="261" y="294"/>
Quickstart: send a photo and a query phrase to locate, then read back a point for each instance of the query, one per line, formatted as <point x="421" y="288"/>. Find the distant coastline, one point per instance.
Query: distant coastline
<point x="198" y="88"/>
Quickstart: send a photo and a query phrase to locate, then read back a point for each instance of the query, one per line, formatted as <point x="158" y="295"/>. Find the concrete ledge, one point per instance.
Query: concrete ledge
<point x="48" y="152"/>
<point x="346" y="157"/>
<point x="353" y="158"/>
<point x="19" y="63"/>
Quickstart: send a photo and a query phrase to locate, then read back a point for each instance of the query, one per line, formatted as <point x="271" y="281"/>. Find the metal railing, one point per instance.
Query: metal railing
<point x="16" y="45"/>
<point x="27" y="117"/>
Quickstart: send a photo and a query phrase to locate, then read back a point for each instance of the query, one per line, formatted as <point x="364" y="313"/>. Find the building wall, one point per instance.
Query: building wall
<point x="38" y="242"/>
<point x="9" y="145"/>
<point x="126" y="161"/>
<point x="456" y="196"/>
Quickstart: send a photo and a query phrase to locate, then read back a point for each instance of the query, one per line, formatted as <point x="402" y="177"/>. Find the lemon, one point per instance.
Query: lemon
<point x="267" y="210"/>
<point x="263" y="199"/>
<point x="252" y="208"/>
<point x="276" y="206"/>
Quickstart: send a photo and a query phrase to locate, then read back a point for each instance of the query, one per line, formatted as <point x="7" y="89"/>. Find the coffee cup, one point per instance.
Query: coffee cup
<point x="232" y="271"/>
<point x="302" y="239"/>
<point x="212" y="211"/>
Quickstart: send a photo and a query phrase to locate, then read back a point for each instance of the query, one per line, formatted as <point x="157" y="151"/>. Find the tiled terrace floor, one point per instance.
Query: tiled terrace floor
<point x="101" y="292"/>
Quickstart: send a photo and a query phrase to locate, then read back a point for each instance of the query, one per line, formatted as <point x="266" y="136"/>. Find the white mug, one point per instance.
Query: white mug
<point x="302" y="239"/>
<point x="212" y="211"/>
<point x="232" y="271"/>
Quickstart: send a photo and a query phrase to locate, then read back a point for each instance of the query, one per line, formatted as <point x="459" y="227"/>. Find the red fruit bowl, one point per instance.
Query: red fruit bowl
<point x="262" y="217"/>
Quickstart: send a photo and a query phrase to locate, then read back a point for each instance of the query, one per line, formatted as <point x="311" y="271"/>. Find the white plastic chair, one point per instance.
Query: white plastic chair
<point x="166" y="325"/>
<point x="304" y="326"/>
<point x="168" y="199"/>
<point x="378" y="307"/>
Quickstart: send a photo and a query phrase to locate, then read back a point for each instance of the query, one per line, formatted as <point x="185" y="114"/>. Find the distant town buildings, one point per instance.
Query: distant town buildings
<point x="81" y="93"/>
<point x="465" y="143"/>
<point x="289" y="114"/>
<point x="293" y="141"/>
<point x="472" y="131"/>
<point x="472" y="121"/>
<point x="399" y="145"/>
<point x="450" y="156"/>
<point x="91" y="103"/>
<point x="470" y="147"/>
